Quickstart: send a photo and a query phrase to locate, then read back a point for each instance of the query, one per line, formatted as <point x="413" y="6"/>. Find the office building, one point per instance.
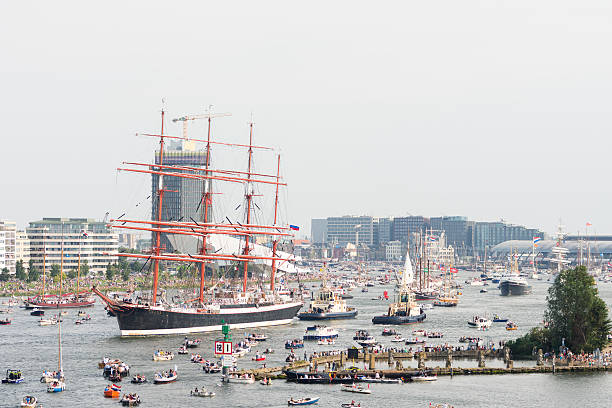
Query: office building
<point x="383" y="229"/>
<point x="79" y="239"/>
<point x="393" y="251"/>
<point x="183" y="196"/>
<point x="8" y="235"/>
<point x="318" y="230"/>
<point x="22" y="248"/>
<point x="350" y="229"/>
<point x="403" y="227"/>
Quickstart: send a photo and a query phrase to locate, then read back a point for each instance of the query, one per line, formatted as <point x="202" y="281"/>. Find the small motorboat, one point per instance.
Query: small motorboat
<point x="435" y="335"/>
<point x="266" y="381"/>
<point x="351" y="404"/>
<point x="166" y="377"/>
<point x="398" y="339"/>
<point x="86" y="318"/>
<point x="37" y="312"/>
<point x="5" y="322"/>
<point x="47" y="322"/>
<point x="259" y="357"/>
<point x="294" y="344"/>
<point x="497" y="319"/>
<point x="182" y="350"/>
<point x="269" y="351"/>
<point x="511" y="326"/>
<point x="81" y="313"/>
<point x="161" y="355"/>
<point x="303" y="401"/>
<point x="424" y="378"/>
<point x="13" y="377"/>
<point x="414" y="340"/>
<point x="192" y="343"/>
<point x="130" y="400"/>
<point x="483" y="290"/>
<point x="355" y="388"/>
<point x="389" y="332"/>
<point x="202" y="393"/>
<point x="427" y="306"/>
<point x="210" y="367"/>
<point x="239" y="379"/>
<point x="479" y="322"/>
<point x="139" y="379"/>
<point x="112" y="391"/>
<point x="421" y="333"/>
<point x="258" y="337"/>
<point x="28" y="402"/>
<point x="56" y="386"/>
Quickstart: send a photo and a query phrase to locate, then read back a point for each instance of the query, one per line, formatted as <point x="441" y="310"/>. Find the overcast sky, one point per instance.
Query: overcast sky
<point x="489" y="109"/>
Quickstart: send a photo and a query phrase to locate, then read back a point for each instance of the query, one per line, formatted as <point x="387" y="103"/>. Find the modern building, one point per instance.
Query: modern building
<point x="22" y="248"/>
<point x="403" y="227"/>
<point x="488" y="234"/>
<point x="383" y="229"/>
<point x="79" y="239"/>
<point x="457" y="230"/>
<point x="318" y="230"/>
<point x="8" y="236"/>
<point x="393" y="251"/>
<point x="127" y="240"/>
<point x="350" y="229"/>
<point x="183" y="196"/>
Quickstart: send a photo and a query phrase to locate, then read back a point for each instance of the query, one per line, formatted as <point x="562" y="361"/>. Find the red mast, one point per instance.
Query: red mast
<point x="249" y="198"/>
<point x="207" y="203"/>
<point x="275" y="242"/>
<point x="160" y="192"/>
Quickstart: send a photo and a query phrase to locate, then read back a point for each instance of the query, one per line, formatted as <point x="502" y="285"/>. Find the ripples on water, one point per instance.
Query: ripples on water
<point x="26" y="346"/>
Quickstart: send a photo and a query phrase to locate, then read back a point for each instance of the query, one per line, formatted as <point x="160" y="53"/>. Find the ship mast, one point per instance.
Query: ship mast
<point x="44" y="266"/>
<point x="207" y="204"/>
<point x="275" y="242"/>
<point x="249" y="198"/>
<point x="160" y="193"/>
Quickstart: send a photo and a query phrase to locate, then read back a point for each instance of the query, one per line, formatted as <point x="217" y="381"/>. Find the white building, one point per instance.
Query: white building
<point x="8" y="230"/>
<point x="81" y="239"/>
<point x="393" y="251"/>
<point x="22" y="248"/>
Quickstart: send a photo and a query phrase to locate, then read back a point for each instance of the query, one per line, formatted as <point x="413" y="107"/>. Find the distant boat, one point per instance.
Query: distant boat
<point x="355" y="388"/>
<point x="13" y="377"/>
<point x="28" y="402"/>
<point x="303" y="401"/>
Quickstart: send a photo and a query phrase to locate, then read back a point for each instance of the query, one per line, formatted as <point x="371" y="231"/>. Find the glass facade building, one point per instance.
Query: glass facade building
<point x="343" y="230"/>
<point x="404" y="226"/>
<point x="183" y="196"/>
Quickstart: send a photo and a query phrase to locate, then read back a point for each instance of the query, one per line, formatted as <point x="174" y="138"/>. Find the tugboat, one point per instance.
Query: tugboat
<point x="513" y="284"/>
<point x="404" y="310"/>
<point x="328" y="305"/>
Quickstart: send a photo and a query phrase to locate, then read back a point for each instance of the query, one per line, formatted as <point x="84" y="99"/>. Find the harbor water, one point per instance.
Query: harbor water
<point x="31" y="348"/>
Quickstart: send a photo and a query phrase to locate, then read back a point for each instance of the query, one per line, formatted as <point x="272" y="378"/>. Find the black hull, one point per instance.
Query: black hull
<point x="511" y="289"/>
<point x="385" y="319"/>
<point x="142" y="321"/>
<point x="328" y="316"/>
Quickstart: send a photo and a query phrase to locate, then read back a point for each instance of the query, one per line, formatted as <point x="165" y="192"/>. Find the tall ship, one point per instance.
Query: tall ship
<point x="79" y="298"/>
<point x="404" y="309"/>
<point x="220" y="242"/>
<point x="513" y="284"/>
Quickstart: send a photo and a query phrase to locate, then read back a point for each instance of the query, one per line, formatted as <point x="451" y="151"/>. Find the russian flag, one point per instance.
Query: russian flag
<point x="294" y="227"/>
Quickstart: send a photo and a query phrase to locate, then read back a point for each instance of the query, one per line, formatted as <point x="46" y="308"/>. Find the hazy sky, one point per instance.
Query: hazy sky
<point x="489" y="109"/>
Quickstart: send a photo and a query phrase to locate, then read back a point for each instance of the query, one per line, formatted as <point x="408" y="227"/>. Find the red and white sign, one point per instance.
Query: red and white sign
<point x="223" y="347"/>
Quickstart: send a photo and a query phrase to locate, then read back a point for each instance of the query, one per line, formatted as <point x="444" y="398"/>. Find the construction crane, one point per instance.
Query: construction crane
<point x="185" y="119"/>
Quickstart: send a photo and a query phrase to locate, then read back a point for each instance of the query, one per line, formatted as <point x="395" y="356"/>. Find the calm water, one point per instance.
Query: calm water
<point x="32" y="348"/>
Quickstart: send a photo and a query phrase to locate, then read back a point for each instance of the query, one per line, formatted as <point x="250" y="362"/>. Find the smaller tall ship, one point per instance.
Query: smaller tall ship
<point x="62" y="300"/>
<point x="404" y="309"/>
<point x="513" y="284"/>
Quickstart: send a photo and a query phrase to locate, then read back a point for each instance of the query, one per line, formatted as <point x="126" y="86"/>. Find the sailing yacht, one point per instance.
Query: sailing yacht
<point x="404" y="309"/>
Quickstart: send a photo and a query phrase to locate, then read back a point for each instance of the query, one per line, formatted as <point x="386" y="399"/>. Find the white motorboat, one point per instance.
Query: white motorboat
<point x="424" y="378"/>
<point x="398" y="339"/>
<point x="161" y="355"/>
<point x="29" y="402"/>
<point x="355" y="388"/>
<point x="202" y="393"/>
<point x="480" y="322"/>
<point x="239" y="379"/>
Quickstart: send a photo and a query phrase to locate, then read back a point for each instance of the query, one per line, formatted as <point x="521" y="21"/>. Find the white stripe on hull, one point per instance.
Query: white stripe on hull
<point x="184" y="330"/>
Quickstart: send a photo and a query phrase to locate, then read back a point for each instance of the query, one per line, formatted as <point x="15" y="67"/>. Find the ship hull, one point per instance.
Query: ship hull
<point x="53" y="305"/>
<point x="136" y="320"/>
<point x="328" y="316"/>
<point x="511" y="289"/>
<point x="385" y="319"/>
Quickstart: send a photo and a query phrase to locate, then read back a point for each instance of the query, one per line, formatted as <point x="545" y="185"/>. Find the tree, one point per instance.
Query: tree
<point x="20" y="272"/>
<point x="72" y="273"/>
<point x="33" y="273"/>
<point x="84" y="269"/>
<point x="576" y="313"/>
<point x="125" y="274"/>
<point x="4" y="276"/>
<point x="55" y="270"/>
<point x="109" y="271"/>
